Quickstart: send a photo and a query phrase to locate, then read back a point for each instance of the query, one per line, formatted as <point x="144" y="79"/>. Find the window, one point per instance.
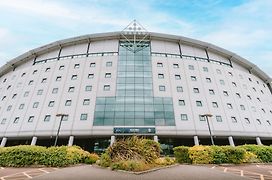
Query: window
<point x="16" y="120"/>
<point x="191" y="67"/>
<point x="9" y="87"/>
<point x="14" y="96"/>
<point x="23" y="74"/>
<point x="58" y="78"/>
<point x="263" y="110"/>
<point x="26" y="93"/>
<point x="196" y="90"/>
<point x="175" y="66"/>
<point x="254" y="89"/>
<point x="247" y="120"/>
<point x="249" y="79"/>
<point x="44" y="80"/>
<point x="35" y="71"/>
<point x="262" y="92"/>
<point x="205" y="69"/>
<point x="65" y="118"/>
<point x="51" y="103"/>
<point x="218" y="118"/>
<point x="21" y="106"/>
<point x="238" y="95"/>
<point x="9" y="107"/>
<point x="179" y="89"/>
<point x="83" y="117"/>
<point x="74" y="77"/>
<point x="68" y="102"/>
<point x="248" y="97"/>
<point x="202" y="118"/>
<point x="230" y="73"/>
<point x="211" y="91"/>
<point x="106" y="87"/>
<point x="47" y="118"/>
<point x="159" y="64"/>
<point x="193" y="78"/>
<point x="3" y="98"/>
<point x="71" y="89"/>
<point x="90" y="76"/>
<point x="108" y="75"/>
<point x="225" y="93"/>
<point x="47" y="69"/>
<point x="161" y="88"/>
<point x="181" y="102"/>
<point x="88" y="88"/>
<point x="222" y="82"/>
<point x="30" y="119"/>
<point x="92" y="64"/>
<point x="76" y="66"/>
<point x="40" y="91"/>
<point x="61" y="67"/>
<point x="55" y="90"/>
<point x="214" y="104"/>
<point x="108" y="64"/>
<point x="161" y="76"/>
<point x="183" y="117"/>
<point x="218" y="71"/>
<point x="229" y="105"/>
<point x="259" y="121"/>
<point x="4" y="120"/>
<point x="234" y="84"/>
<point x="259" y="99"/>
<point x="208" y="80"/>
<point x="242" y="107"/>
<point x="268" y="123"/>
<point x="233" y="119"/>
<point x="199" y="103"/>
<point x="30" y="82"/>
<point x="86" y="102"/>
<point x="177" y="77"/>
<point x="35" y="104"/>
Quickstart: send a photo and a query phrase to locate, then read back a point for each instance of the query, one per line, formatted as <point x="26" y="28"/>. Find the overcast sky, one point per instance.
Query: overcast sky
<point x="241" y="26"/>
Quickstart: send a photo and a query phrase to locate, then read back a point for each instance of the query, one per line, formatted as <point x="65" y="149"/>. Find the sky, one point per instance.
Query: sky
<point x="241" y="26"/>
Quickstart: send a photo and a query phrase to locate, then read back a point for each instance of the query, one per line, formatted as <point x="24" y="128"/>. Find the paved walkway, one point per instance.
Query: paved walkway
<point x="174" y="173"/>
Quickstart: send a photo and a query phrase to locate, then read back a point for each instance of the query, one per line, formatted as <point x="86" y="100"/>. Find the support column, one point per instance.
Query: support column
<point x="196" y="141"/>
<point x="3" y="142"/>
<point x="258" y="140"/>
<point x="71" y="141"/>
<point x="112" y="140"/>
<point x="33" y="141"/>
<point x="231" y="142"/>
<point x="156" y="139"/>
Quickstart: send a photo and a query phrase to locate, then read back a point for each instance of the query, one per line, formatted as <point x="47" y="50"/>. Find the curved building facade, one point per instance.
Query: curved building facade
<point x="132" y="82"/>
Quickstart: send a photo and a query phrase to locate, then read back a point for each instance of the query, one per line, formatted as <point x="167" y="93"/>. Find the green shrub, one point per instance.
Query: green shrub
<point x="251" y="158"/>
<point x="181" y="154"/>
<point x="131" y="165"/>
<point x="25" y="155"/>
<point x="219" y="156"/>
<point x="105" y="160"/>
<point x="165" y="161"/>
<point x="201" y="154"/>
<point x="263" y="153"/>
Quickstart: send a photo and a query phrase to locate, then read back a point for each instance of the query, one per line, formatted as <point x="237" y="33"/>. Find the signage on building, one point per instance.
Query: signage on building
<point x="134" y="130"/>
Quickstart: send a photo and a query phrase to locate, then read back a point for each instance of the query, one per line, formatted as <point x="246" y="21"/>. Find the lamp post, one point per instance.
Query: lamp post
<point x="207" y="118"/>
<point x="61" y="118"/>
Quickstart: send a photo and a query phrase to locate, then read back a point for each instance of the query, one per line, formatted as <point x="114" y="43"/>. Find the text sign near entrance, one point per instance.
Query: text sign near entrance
<point x="134" y="130"/>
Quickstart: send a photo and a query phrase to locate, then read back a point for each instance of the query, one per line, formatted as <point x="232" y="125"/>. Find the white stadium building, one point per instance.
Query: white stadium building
<point x="98" y="87"/>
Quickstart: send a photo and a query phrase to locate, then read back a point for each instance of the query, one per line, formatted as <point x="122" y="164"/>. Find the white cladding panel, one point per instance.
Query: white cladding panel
<point x="104" y="46"/>
<point x="74" y="49"/>
<point x="164" y="47"/>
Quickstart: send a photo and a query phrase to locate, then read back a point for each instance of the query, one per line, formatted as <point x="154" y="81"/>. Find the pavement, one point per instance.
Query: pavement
<point x="179" y="172"/>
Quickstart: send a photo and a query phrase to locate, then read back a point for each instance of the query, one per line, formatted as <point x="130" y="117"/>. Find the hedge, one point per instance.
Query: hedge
<point x="223" y="154"/>
<point x="25" y="155"/>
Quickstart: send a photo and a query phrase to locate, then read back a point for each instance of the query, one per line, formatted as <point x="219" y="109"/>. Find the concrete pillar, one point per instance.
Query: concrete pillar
<point x="196" y="141"/>
<point x="3" y="142"/>
<point x="112" y="140"/>
<point x="71" y="141"/>
<point x="33" y="141"/>
<point x="156" y="139"/>
<point x="231" y="142"/>
<point x="258" y="140"/>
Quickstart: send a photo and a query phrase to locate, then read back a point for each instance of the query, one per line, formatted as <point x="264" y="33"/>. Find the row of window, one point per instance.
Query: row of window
<point x="205" y="69"/>
<point x="218" y="118"/>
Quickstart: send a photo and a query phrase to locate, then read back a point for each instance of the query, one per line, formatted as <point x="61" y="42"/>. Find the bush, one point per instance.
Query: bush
<point x="130" y="165"/>
<point x="25" y="155"/>
<point x="201" y="154"/>
<point x="181" y="154"/>
<point x="263" y="153"/>
<point x="165" y="161"/>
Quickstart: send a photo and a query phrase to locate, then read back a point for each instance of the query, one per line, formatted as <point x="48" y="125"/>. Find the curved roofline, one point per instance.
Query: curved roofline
<point x="153" y="35"/>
